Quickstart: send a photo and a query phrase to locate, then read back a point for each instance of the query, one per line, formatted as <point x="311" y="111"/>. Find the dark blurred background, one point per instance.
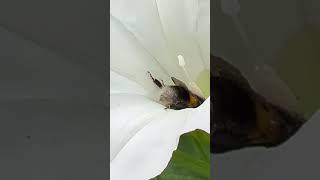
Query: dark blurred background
<point x="54" y="89"/>
<point x="282" y="37"/>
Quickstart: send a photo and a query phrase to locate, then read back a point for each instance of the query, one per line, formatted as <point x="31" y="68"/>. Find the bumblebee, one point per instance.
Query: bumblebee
<point x="240" y="117"/>
<point x="177" y="96"/>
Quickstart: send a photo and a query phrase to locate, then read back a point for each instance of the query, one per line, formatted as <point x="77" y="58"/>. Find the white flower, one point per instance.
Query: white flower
<point x="149" y="35"/>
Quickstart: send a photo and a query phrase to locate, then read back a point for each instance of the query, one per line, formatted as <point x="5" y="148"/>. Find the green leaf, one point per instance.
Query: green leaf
<point x="191" y="160"/>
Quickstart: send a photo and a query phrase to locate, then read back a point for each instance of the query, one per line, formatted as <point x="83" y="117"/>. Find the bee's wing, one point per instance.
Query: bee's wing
<point x="177" y="82"/>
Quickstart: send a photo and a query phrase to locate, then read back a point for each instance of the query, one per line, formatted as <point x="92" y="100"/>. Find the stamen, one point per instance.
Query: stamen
<point x="182" y="64"/>
<point x="193" y="86"/>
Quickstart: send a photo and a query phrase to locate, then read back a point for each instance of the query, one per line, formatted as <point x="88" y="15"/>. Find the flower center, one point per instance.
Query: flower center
<point x="202" y="80"/>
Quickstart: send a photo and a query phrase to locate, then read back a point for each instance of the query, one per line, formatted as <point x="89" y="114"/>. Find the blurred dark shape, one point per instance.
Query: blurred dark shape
<point x="242" y="118"/>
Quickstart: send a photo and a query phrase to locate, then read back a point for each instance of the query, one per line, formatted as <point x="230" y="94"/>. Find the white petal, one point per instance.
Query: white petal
<point x="130" y="59"/>
<point x="183" y="22"/>
<point x="294" y="160"/>
<point x="203" y="30"/>
<point x="122" y="85"/>
<point x="129" y="113"/>
<point x="144" y="135"/>
<point x="141" y="19"/>
<point x="199" y="117"/>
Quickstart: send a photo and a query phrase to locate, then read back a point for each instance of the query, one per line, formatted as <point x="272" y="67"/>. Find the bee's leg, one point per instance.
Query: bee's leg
<point x="167" y="107"/>
<point x="156" y="81"/>
<point x="163" y="83"/>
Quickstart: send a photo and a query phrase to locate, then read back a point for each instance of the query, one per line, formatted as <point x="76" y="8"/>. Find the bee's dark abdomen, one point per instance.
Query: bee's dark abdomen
<point x="182" y="93"/>
<point x="233" y="115"/>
